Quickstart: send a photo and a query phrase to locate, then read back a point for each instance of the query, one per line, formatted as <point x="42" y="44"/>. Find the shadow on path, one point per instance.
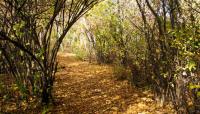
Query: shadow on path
<point x="83" y="88"/>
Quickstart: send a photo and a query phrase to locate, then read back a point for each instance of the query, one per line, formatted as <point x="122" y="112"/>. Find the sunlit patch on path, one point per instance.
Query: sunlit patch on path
<point x="83" y="88"/>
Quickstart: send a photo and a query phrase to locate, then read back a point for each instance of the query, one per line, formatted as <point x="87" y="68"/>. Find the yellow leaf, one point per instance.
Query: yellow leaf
<point x="116" y="97"/>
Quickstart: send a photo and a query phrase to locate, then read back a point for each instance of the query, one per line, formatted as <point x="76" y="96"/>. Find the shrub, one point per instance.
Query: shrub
<point x="122" y="73"/>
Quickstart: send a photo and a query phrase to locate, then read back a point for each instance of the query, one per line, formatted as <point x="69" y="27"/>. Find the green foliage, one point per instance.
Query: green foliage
<point x="40" y="54"/>
<point x="192" y="86"/>
<point x="18" y="28"/>
<point x="122" y="73"/>
<point x="80" y="53"/>
<point x="79" y="50"/>
<point x="191" y="65"/>
<point x="45" y="109"/>
<point x="187" y="43"/>
<point x="116" y="40"/>
<point x="198" y="94"/>
<point x="195" y="87"/>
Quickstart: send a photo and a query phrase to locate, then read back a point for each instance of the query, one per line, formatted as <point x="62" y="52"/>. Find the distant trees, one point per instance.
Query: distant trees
<point x="29" y="40"/>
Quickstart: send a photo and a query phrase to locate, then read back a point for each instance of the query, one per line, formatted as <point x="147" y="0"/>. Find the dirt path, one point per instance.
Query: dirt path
<point x="83" y="88"/>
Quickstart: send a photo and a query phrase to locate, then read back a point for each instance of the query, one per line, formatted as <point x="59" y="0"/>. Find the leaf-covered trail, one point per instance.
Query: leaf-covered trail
<point x="81" y="88"/>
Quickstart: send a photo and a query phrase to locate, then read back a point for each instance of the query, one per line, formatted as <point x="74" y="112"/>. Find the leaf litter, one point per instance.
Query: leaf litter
<point x="88" y="88"/>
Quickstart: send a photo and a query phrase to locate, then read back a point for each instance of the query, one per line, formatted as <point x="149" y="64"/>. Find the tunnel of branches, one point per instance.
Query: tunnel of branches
<point x="153" y="44"/>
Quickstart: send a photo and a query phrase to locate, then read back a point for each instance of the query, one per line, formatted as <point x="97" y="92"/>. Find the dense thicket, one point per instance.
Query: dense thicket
<point x="173" y="45"/>
<point x="31" y="32"/>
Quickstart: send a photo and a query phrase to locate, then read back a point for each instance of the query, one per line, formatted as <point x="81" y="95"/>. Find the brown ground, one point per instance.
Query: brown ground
<point x="83" y="88"/>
